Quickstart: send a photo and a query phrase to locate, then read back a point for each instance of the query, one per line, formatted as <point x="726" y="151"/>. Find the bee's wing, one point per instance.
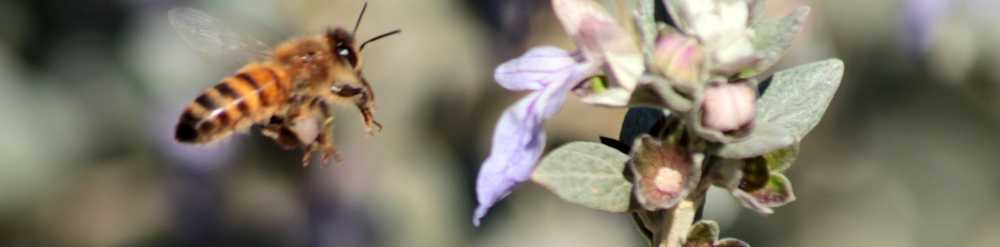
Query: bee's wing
<point x="212" y="38"/>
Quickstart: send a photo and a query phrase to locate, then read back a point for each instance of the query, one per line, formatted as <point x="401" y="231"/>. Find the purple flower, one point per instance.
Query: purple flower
<point x="519" y="137"/>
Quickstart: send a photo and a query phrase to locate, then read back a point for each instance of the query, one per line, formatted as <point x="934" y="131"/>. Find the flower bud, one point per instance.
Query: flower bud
<point x="728" y="106"/>
<point x="679" y="57"/>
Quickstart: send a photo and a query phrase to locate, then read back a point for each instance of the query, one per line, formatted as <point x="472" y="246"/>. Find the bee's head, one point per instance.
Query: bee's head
<point x="350" y="87"/>
<point x="342" y="45"/>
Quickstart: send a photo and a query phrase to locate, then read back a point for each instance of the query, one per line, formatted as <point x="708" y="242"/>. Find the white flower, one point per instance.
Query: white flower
<point x="721" y="28"/>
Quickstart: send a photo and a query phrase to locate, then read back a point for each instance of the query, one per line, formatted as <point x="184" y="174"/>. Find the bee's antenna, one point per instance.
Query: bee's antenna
<point x="362" y="47"/>
<point x="357" y="23"/>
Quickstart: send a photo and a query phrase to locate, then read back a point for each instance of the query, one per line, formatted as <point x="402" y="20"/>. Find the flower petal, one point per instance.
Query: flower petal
<point x="572" y="13"/>
<point x="519" y="138"/>
<point x="600" y="38"/>
<point x="535" y="69"/>
<point x="610" y="43"/>
<point x="716" y="23"/>
<point x="518" y="143"/>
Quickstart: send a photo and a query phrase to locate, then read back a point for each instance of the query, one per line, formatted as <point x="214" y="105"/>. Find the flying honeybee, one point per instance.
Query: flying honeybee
<point x="289" y="91"/>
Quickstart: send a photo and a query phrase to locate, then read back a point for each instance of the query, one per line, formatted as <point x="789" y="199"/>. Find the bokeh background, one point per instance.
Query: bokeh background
<point x="907" y="155"/>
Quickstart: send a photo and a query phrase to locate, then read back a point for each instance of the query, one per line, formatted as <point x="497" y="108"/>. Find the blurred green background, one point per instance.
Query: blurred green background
<point x="907" y="155"/>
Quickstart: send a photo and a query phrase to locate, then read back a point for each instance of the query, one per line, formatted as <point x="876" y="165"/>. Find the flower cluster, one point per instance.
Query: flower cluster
<point x="700" y="72"/>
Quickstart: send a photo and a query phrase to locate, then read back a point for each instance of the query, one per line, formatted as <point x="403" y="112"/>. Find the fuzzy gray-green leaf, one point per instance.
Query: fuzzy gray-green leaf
<point x="798" y="97"/>
<point x="766" y="138"/>
<point x="756" y="8"/>
<point x="773" y="37"/>
<point x="676" y="11"/>
<point x="588" y="174"/>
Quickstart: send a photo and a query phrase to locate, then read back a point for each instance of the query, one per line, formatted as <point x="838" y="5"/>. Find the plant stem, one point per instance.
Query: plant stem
<point x="677" y="220"/>
<point x="646" y="27"/>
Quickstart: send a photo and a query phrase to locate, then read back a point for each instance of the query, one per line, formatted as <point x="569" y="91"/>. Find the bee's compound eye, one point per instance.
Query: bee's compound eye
<point x="345" y="51"/>
<point x="345" y="90"/>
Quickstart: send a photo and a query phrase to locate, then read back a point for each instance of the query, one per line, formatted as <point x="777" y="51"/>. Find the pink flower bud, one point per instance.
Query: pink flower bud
<point x="728" y="106"/>
<point x="679" y="57"/>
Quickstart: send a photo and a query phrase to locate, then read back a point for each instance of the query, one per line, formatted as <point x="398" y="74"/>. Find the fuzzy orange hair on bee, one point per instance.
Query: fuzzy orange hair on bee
<point x="289" y="91"/>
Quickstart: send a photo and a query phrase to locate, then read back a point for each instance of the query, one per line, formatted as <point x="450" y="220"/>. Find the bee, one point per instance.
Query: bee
<point x="289" y="91"/>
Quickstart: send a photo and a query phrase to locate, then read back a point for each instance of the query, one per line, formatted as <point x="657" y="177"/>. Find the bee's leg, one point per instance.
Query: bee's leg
<point x="288" y="131"/>
<point x="369" y="119"/>
<point x="321" y="144"/>
<point x="324" y="142"/>
<point x="275" y="129"/>
<point x="369" y="94"/>
<point x="366" y="107"/>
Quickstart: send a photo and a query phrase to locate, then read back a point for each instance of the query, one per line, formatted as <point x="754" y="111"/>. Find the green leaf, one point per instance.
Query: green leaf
<point x="756" y="8"/>
<point x="677" y="13"/>
<point x="645" y="23"/>
<point x="798" y="97"/>
<point x="702" y="233"/>
<point x="765" y="138"/>
<point x="776" y="192"/>
<point x="588" y="174"/>
<point x="705" y="233"/>
<point x="773" y="37"/>
<point x="780" y="160"/>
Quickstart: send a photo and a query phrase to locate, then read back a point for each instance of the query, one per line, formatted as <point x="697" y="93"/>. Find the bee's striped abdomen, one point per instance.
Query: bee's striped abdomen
<point x="252" y="95"/>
